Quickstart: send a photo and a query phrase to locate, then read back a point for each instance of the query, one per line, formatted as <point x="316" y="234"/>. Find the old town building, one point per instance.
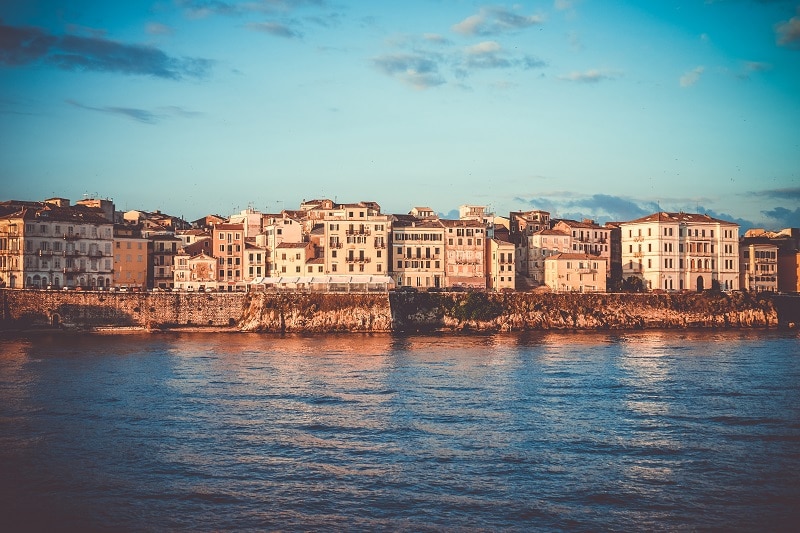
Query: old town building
<point x="417" y="252"/>
<point x="464" y="253"/>
<point x="571" y="272"/>
<point x="51" y="244"/>
<point x="677" y="251"/>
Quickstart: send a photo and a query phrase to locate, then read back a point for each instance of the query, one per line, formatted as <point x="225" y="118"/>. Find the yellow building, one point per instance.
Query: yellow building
<point x="575" y="273"/>
<point x="500" y="265"/>
<point x="131" y="258"/>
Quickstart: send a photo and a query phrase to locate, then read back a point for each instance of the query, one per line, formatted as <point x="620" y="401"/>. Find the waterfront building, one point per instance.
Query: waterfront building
<point x="196" y="272"/>
<point x="500" y="264"/>
<point x="290" y="258"/>
<point x="787" y="242"/>
<point x="228" y="249"/>
<point x="417" y="251"/>
<point x="278" y="228"/>
<point x="677" y="251"/>
<point x="758" y="265"/>
<point x="52" y="244"/>
<point x="789" y="271"/>
<point x="571" y="272"/>
<point x="162" y="249"/>
<point x="538" y="246"/>
<point x="356" y="237"/>
<point x="523" y="224"/>
<point x="254" y="260"/>
<point x="131" y="257"/>
<point x="588" y="237"/>
<point x="464" y="249"/>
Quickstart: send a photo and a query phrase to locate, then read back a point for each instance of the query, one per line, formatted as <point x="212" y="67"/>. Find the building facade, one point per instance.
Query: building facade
<point x="500" y="265"/>
<point x="417" y="250"/>
<point x="569" y="272"/>
<point x="681" y="251"/>
<point x="131" y="258"/>
<point x="465" y="242"/>
<point x="52" y="245"/>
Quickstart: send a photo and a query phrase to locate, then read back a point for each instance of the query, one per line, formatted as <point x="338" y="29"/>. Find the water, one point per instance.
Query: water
<point x="551" y="432"/>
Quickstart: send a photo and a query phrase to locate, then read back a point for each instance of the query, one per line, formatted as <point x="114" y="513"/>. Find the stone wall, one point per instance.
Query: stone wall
<point x="89" y="309"/>
<point x="315" y="312"/>
<point x="527" y="311"/>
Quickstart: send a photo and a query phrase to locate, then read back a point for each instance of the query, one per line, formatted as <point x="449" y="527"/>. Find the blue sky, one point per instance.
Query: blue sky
<point x="585" y="108"/>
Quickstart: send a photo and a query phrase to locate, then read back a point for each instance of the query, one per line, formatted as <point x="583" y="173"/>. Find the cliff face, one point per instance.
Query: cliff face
<point x="526" y="311"/>
<point x="317" y="312"/>
<point x="313" y="312"/>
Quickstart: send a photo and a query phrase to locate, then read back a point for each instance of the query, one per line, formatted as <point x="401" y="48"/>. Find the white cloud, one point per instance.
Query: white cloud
<point x="486" y="47"/>
<point x="693" y="76"/>
<point x="495" y="20"/>
<point x="787" y="33"/>
<point x="590" y="76"/>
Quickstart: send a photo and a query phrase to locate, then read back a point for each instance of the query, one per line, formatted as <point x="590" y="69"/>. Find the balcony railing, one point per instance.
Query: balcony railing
<point x="72" y="270"/>
<point x="71" y="236"/>
<point x="358" y="231"/>
<point x="358" y="259"/>
<point x="44" y="253"/>
<point x="335" y="245"/>
<point x="95" y="253"/>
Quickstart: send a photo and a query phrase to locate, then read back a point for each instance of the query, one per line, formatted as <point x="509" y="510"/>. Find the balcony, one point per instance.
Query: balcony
<point x="45" y="253"/>
<point x="70" y="253"/>
<point x="71" y="236"/>
<point x="72" y="270"/>
<point x="359" y="231"/>
<point x="358" y="259"/>
<point x="95" y="253"/>
<point x="335" y="245"/>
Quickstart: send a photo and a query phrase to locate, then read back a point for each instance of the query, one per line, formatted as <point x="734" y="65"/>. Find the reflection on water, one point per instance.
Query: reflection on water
<point x="591" y="431"/>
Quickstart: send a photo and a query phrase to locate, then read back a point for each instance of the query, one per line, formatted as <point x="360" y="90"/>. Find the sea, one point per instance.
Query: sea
<point x="190" y="431"/>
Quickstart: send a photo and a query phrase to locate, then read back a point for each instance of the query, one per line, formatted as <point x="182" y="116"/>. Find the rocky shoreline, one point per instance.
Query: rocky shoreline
<point x="394" y="312"/>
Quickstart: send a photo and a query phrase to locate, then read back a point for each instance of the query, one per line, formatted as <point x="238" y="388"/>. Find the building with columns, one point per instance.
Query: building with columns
<point x="681" y="251"/>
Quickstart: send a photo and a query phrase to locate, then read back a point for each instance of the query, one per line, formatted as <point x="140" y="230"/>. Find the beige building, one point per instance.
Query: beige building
<point x="228" y="249"/>
<point x="195" y="272"/>
<point x="357" y="242"/>
<point x="677" y="251"/>
<point x="254" y="261"/>
<point x="417" y="250"/>
<point x="277" y="229"/>
<point x="500" y="265"/>
<point x="465" y="242"/>
<point x="522" y="225"/>
<point x="51" y="244"/>
<point x="290" y="258"/>
<point x="538" y="246"/>
<point x="587" y="236"/>
<point x="758" y="267"/>
<point x="569" y="272"/>
<point x="131" y="258"/>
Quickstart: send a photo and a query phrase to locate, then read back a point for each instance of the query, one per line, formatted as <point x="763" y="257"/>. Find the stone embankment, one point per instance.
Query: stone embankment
<point x="527" y="311"/>
<point x="397" y="311"/>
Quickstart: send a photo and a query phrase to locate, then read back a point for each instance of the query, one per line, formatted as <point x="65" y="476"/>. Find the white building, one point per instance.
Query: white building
<point x="677" y="251"/>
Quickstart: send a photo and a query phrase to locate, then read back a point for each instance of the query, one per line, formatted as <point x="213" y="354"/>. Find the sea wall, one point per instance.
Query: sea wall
<point x="88" y="309"/>
<point x="531" y="311"/>
<point x="397" y="311"/>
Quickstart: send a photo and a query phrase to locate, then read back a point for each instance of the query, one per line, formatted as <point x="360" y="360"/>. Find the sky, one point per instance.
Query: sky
<point x="609" y="110"/>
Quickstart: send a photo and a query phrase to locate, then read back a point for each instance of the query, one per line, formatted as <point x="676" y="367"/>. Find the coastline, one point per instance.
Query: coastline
<point x="312" y="313"/>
